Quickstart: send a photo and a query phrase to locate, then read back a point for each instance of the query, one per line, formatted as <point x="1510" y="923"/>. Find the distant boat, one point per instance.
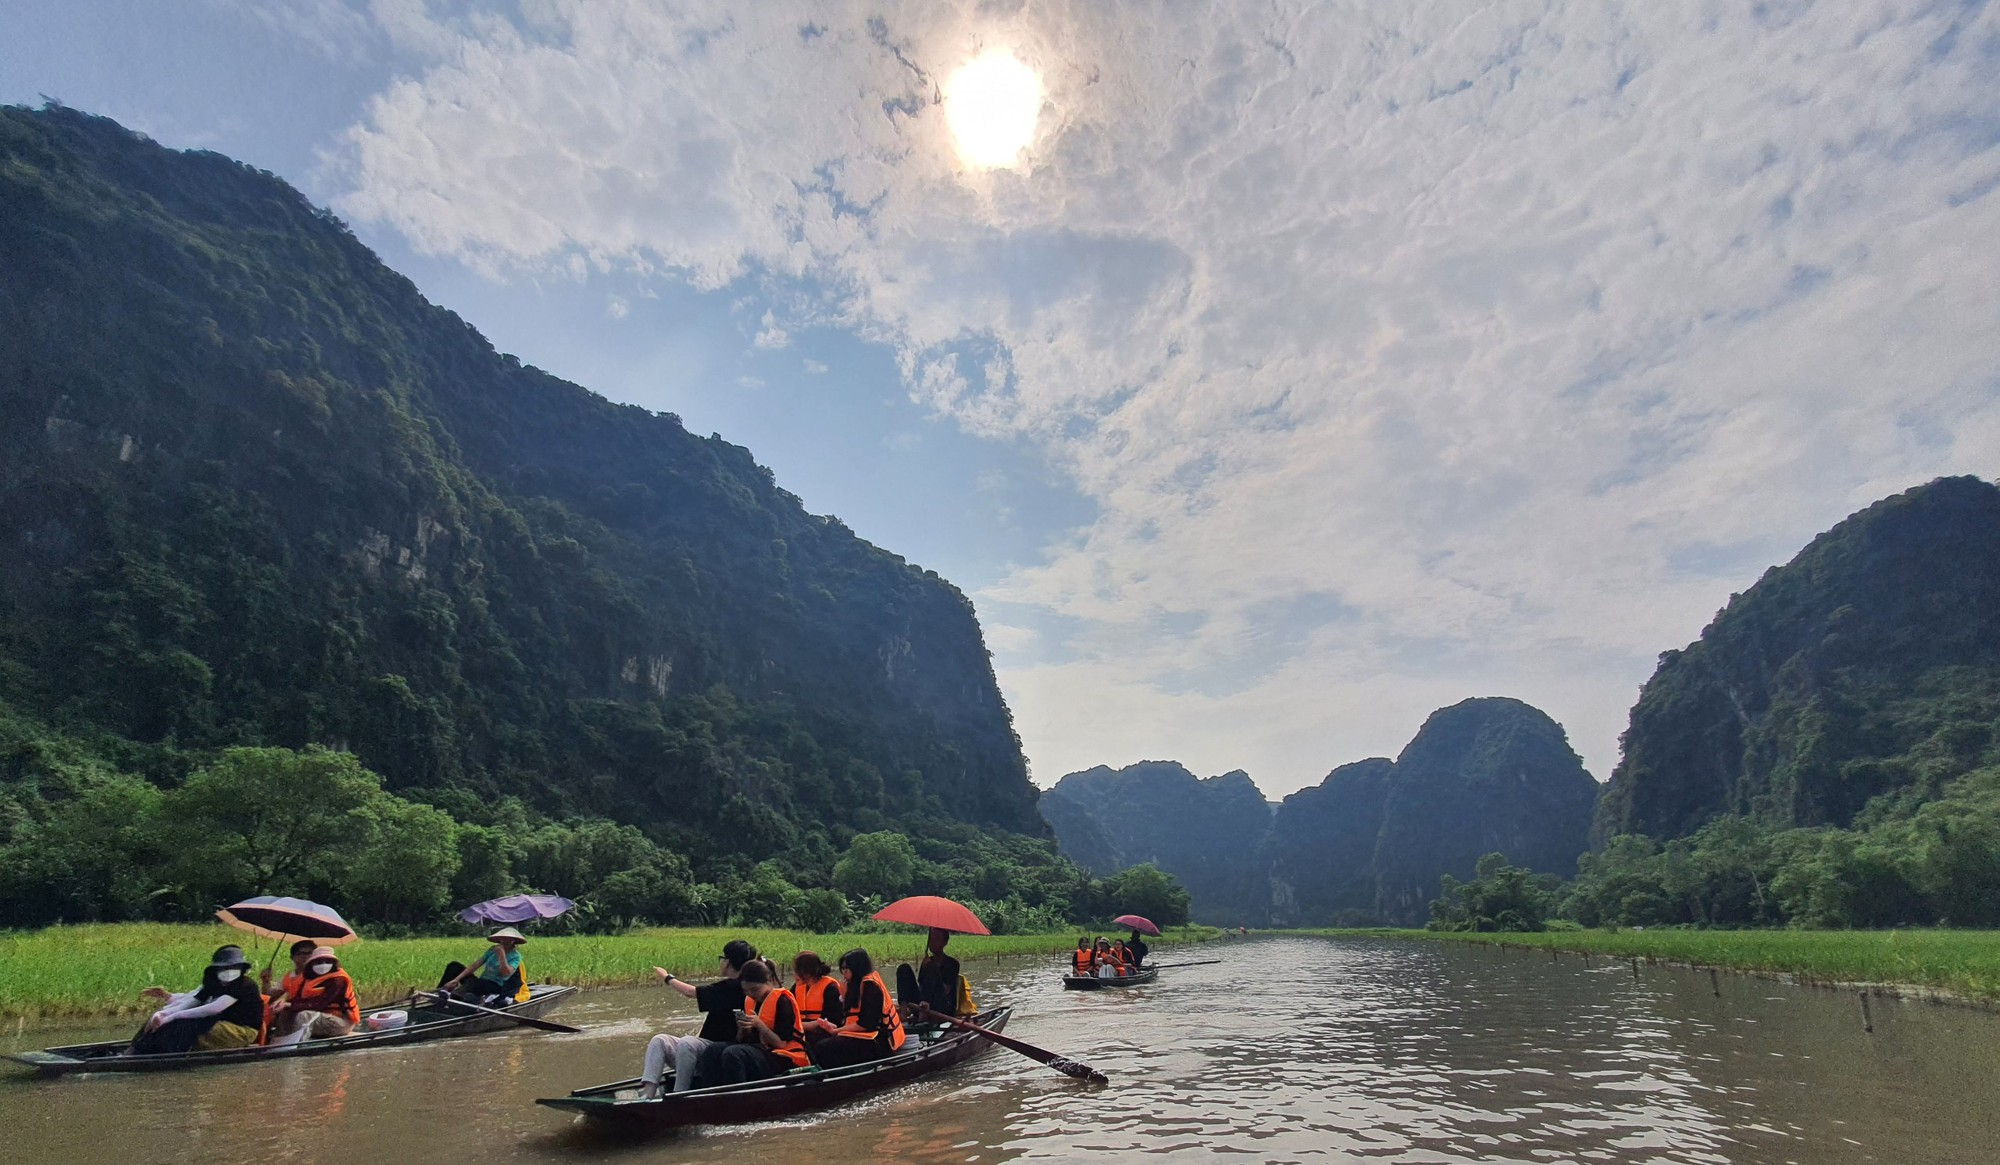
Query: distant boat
<point x="1097" y="982"/>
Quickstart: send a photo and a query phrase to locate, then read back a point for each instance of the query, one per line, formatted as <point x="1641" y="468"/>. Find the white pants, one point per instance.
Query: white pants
<point x="684" y="1051"/>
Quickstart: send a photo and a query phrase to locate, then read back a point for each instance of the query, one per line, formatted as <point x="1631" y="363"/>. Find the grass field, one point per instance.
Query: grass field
<point x="1965" y="963"/>
<point x="68" y="972"/>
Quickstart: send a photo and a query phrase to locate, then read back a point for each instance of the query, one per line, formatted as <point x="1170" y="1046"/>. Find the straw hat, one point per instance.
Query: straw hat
<point x="507" y="932"/>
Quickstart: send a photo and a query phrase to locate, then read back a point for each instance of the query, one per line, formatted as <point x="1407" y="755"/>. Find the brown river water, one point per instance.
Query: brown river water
<point x="1292" y="1049"/>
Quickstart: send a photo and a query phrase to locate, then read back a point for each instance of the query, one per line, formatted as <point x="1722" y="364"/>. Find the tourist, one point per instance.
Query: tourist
<point x="226" y="1011"/>
<point x="323" y="1006"/>
<point x="874" y="1027"/>
<point x="297" y="975"/>
<point x="719" y="1003"/>
<point x="769" y="1041"/>
<point x="1084" y="961"/>
<point x="495" y="977"/>
<point x="816" y="994"/>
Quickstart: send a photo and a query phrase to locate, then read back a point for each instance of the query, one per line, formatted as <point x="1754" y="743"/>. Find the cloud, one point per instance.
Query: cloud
<point x="1407" y="354"/>
<point x="771" y="335"/>
<point x="813" y="367"/>
<point x="616" y="307"/>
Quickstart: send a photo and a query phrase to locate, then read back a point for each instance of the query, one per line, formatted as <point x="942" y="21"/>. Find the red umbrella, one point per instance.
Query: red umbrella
<point x="1136" y="922"/>
<point x="932" y="911"/>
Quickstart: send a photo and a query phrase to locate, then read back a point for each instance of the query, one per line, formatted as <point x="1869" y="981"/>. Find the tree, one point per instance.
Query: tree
<point x="403" y="871"/>
<point x="1146" y="891"/>
<point x="881" y="863"/>
<point x="267" y="821"/>
<point x="1500" y="897"/>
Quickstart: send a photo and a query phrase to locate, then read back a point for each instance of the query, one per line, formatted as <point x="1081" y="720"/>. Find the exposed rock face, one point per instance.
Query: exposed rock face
<point x="1869" y="663"/>
<point x="254" y="489"/>
<point x="1482" y="776"/>
<point x="1207" y="833"/>
<point x="1368" y="844"/>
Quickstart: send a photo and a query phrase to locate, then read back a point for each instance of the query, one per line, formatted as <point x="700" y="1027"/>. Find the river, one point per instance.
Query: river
<point x="1292" y="1049"/>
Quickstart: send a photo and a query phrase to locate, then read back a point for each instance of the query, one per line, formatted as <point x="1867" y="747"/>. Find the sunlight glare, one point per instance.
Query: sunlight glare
<point x="991" y="105"/>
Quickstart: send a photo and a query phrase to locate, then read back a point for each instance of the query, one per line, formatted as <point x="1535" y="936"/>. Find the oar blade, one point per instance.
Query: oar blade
<point x="1081" y="1071"/>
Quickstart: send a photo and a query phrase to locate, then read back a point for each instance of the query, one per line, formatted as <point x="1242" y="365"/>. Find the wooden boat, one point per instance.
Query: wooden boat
<point x="427" y="1022"/>
<point x="1137" y="978"/>
<point x="617" y="1107"/>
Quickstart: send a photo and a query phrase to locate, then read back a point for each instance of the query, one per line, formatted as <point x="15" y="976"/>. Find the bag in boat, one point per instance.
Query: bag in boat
<point x="382" y="1021"/>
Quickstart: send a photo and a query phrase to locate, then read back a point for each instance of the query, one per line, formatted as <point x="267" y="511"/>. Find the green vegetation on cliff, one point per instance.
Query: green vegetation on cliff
<point x="255" y="491"/>
<point x="1828" y="754"/>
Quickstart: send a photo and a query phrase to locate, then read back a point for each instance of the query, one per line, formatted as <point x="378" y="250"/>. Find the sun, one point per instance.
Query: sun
<point x="991" y="105"/>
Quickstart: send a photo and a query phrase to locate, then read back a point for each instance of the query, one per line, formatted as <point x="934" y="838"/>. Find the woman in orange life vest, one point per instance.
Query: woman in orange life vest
<point x="1107" y="961"/>
<point x="817" y="995"/>
<point x="1084" y="961"/>
<point x="321" y="1007"/>
<point x="1123" y="954"/>
<point x="769" y="1041"/>
<point x="874" y="1027"/>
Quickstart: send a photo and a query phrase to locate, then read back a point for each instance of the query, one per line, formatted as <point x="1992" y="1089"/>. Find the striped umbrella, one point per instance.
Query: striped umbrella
<point x="289" y="918"/>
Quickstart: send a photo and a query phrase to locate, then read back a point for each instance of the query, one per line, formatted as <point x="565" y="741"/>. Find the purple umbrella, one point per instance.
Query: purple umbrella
<point x="515" y="908"/>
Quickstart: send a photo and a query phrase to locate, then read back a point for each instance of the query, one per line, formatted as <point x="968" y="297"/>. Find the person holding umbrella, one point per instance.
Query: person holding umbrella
<point x="322" y="1006"/>
<point x="226" y="1011"/>
<point x="495" y="973"/>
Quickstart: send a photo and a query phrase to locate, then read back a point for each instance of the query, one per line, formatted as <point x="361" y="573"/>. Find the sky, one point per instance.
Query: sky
<point x="1307" y="368"/>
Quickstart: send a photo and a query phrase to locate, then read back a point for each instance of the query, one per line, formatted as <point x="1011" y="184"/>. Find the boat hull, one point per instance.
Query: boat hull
<point x="106" y="1057"/>
<point x="1094" y="983"/>
<point x="783" y="1096"/>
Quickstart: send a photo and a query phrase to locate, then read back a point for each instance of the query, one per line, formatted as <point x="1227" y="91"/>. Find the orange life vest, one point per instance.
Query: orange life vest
<point x="332" y="993"/>
<point x="793" y="1051"/>
<point x="1085" y="960"/>
<point x="892" y="1020"/>
<point x="1124" y="956"/>
<point x="811" y="998"/>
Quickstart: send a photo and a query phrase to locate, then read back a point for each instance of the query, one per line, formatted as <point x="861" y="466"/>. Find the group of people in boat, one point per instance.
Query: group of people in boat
<point x="315" y="1000"/>
<point x="754" y="1027"/>
<point x="1109" y="958"/>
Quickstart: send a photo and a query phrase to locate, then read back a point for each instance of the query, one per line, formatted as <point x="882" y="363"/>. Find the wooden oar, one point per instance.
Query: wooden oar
<point x="1177" y="966"/>
<point x="524" y="1020"/>
<point x="1063" y="1064"/>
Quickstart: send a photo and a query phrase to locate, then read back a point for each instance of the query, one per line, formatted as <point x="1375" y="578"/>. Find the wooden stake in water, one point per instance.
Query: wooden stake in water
<point x="1867" y="1020"/>
<point x="1715" y="981"/>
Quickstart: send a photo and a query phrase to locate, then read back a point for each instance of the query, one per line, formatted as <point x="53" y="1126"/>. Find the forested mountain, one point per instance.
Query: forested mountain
<point x="1869" y="663"/>
<point x="1828" y="752"/>
<point x="254" y="489"/>
<point x="1207" y="833"/>
<point x="1368" y="844"/>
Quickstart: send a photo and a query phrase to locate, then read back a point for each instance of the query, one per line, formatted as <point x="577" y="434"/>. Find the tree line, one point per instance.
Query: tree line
<point x="316" y="823"/>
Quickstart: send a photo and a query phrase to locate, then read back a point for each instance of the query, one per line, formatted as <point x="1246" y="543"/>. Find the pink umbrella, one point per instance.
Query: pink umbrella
<point x="1136" y="922"/>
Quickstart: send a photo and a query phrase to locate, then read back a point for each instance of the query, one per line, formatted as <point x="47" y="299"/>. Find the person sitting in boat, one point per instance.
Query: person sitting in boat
<point x="769" y="1041"/>
<point x="1123" y="954"/>
<point x="495" y="977"/>
<point x="1137" y="948"/>
<point x="323" y="1006"/>
<point x="874" y="1025"/>
<point x="939" y="982"/>
<point x="1084" y="961"/>
<point x="297" y="975"/>
<point x="226" y="1011"/>
<point x="1108" y="966"/>
<point x="720" y="1002"/>
<point x="816" y="994"/>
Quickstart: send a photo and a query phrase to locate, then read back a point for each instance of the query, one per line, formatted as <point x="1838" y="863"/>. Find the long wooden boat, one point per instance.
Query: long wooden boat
<point x="426" y="1022"/>
<point x="1137" y="978"/>
<point x="617" y="1107"/>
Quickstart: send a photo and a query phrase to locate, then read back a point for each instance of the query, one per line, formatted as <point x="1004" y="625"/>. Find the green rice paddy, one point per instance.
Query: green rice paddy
<point x="1962" y="963"/>
<point x="67" y="972"/>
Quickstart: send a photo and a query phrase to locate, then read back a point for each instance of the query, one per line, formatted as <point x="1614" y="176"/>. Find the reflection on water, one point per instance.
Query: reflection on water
<point x="1291" y="1050"/>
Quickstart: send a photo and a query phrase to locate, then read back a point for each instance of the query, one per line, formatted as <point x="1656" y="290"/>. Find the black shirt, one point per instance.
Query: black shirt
<point x="720" y="1001"/>
<point x="248" y="1006"/>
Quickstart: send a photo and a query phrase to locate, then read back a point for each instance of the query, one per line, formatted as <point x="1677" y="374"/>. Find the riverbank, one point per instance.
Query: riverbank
<point x="1961" y="964"/>
<point x="80" y="972"/>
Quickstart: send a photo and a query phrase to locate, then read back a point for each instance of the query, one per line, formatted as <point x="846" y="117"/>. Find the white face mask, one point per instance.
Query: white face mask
<point x="321" y="968"/>
<point x="229" y="976"/>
